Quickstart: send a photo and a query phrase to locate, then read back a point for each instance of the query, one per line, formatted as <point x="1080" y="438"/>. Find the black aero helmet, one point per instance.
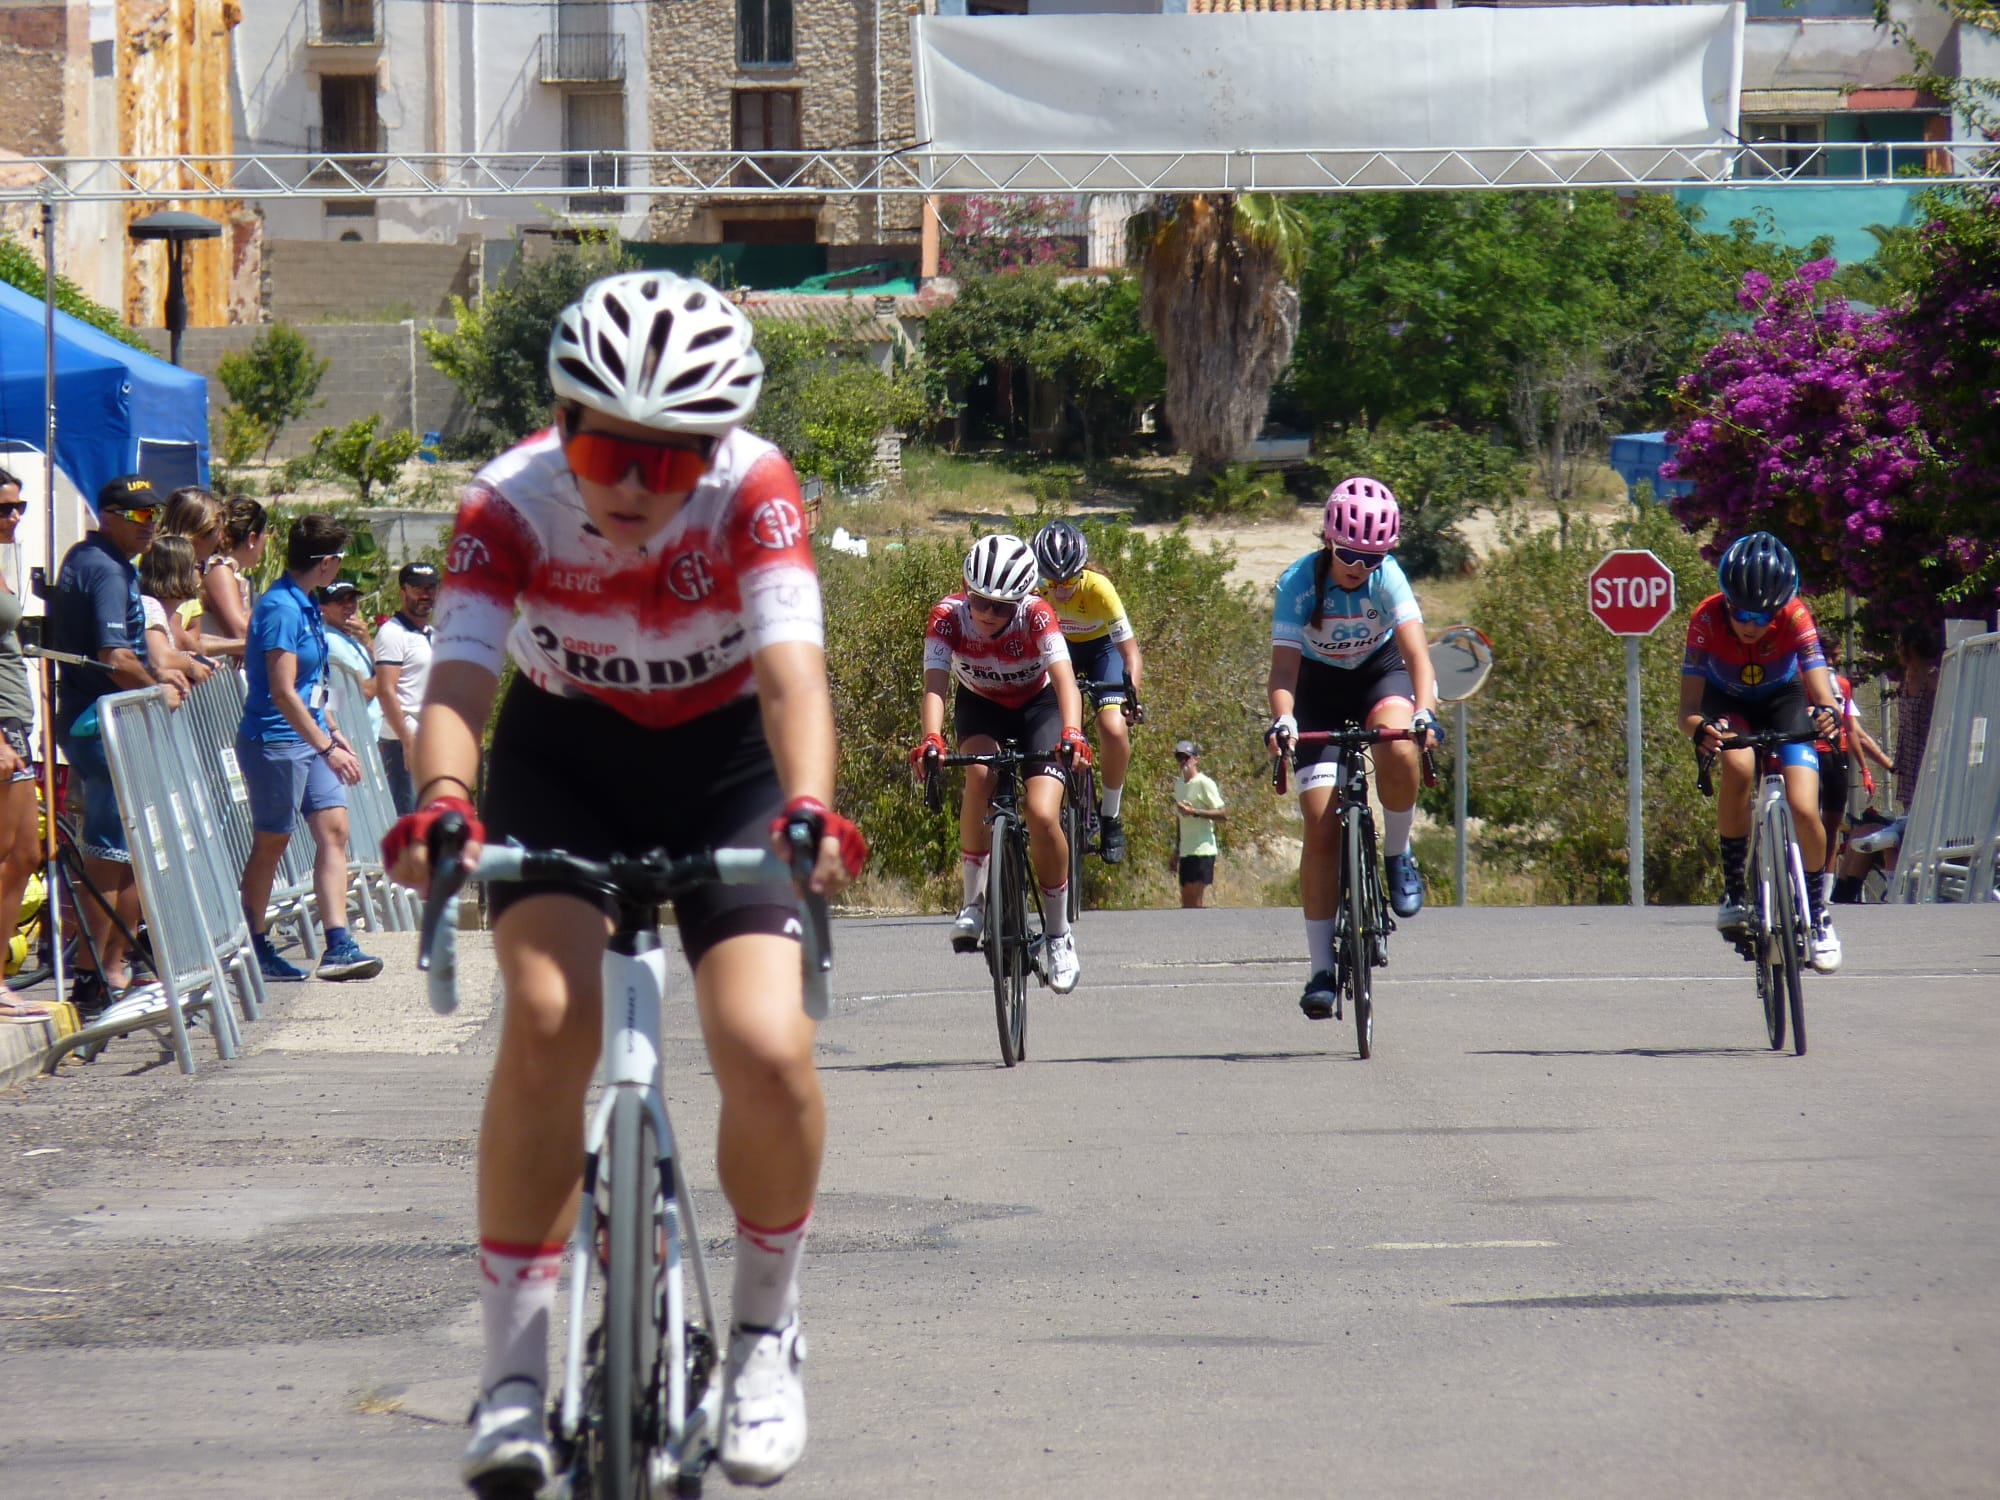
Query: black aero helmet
<point x="1061" y="550"/>
<point x="1757" y="573"/>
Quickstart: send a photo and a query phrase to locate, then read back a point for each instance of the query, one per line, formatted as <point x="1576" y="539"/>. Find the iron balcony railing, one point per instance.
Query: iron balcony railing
<point x="344" y="23"/>
<point x="583" y="57"/>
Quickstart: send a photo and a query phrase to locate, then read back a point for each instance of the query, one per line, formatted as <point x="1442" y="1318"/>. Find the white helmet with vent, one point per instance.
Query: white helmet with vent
<point x="660" y="349"/>
<point x="1001" y="567"/>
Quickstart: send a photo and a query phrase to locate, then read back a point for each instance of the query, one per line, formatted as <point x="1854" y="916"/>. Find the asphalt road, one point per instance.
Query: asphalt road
<point x="1573" y="1232"/>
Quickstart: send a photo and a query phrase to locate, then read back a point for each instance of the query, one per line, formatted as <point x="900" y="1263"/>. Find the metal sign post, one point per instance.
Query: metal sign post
<point x="1631" y="593"/>
<point x="1461" y="658"/>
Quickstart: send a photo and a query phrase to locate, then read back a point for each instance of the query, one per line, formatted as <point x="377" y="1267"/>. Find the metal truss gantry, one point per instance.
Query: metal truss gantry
<point x="558" y="175"/>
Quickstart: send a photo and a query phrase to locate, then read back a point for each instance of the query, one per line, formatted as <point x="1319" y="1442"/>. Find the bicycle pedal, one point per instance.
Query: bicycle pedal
<point x="964" y="944"/>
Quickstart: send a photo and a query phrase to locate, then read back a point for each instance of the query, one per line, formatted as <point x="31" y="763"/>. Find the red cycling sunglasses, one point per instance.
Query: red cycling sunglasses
<point x="664" y="468"/>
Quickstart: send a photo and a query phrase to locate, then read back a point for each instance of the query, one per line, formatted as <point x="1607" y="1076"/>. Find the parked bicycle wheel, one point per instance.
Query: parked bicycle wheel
<point x="1007" y="877"/>
<point x="630" y="1415"/>
<point x="1356" y="856"/>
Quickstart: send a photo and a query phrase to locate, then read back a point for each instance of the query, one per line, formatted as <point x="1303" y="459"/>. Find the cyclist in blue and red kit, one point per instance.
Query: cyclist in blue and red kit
<point x="1754" y="663"/>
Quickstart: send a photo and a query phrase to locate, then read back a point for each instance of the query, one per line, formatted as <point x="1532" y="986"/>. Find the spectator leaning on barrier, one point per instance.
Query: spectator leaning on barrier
<point x="1199" y="802"/>
<point x="294" y="757"/>
<point x="167" y="580"/>
<point x="347" y="639"/>
<point x="196" y="514"/>
<point x="225" y="579"/>
<point x="1918" y="649"/>
<point x="20" y="839"/>
<point x="96" y="613"/>
<point x="402" y="665"/>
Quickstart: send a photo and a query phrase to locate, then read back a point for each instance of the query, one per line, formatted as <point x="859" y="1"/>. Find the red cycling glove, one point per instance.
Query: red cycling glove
<point x="822" y="821"/>
<point x="931" y="743"/>
<point x="1075" y="746"/>
<point x="415" y="828"/>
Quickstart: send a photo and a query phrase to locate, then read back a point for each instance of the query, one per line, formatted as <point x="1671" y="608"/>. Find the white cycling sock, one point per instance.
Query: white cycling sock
<point x="767" y="1273"/>
<point x="1111" y="801"/>
<point x="972" y="868"/>
<point x="1055" y="910"/>
<point x="1826" y="885"/>
<point x="1396" y="830"/>
<point x="517" y="1292"/>
<point x="1319" y="942"/>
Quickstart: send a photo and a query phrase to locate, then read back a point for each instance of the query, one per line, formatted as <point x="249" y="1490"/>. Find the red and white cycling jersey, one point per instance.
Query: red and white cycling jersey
<point x="1011" y="667"/>
<point x="663" y="634"/>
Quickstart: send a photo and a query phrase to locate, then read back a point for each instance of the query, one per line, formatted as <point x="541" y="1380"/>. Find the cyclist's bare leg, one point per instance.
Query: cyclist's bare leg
<point x="1732" y="796"/>
<point x="1398" y="764"/>
<point x="974" y="837"/>
<point x="1802" y="791"/>
<point x="760" y="1043"/>
<point x="1319" y="860"/>
<point x="1114" y="746"/>
<point x="1048" y="850"/>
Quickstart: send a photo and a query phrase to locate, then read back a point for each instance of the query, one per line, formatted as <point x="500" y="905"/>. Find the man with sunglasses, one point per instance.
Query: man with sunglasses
<point x="1348" y="647"/>
<point x="96" y="612"/>
<point x="402" y="663"/>
<point x="646" y="566"/>
<point x="1754" y="663"/>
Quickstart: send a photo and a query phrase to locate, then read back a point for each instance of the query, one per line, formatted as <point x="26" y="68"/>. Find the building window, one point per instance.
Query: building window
<point x="764" y="32"/>
<point x="596" y="123"/>
<point x="345" y="23"/>
<point x="765" y="120"/>
<point x="348" y="121"/>
<point x="1785" y="148"/>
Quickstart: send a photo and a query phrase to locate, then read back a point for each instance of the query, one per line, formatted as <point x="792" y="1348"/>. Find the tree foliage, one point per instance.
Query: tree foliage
<point x="23" y="271"/>
<point x="272" y="383"/>
<point x="497" y="352"/>
<point x="1440" y="474"/>
<point x="1548" y="731"/>
<point x="824" y="405"/>
<point x="354" y="453"/>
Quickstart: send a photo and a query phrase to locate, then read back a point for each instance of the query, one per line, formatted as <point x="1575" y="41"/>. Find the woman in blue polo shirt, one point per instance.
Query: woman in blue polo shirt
<point x="294" y="758"/>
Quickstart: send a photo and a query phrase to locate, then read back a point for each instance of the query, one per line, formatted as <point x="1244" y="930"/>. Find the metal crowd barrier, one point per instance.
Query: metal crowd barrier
<point x="1953" y="835"/>
<point x="371" y="810"/>
<point x="172" y="862"/>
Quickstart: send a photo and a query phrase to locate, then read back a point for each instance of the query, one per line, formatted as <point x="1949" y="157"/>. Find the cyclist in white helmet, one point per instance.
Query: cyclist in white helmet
<point x="645" y="564"/>
<point x="1015" y="683"/>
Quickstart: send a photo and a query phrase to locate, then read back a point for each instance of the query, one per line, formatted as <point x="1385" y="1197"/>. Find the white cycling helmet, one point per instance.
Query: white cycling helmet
<point x="664" y="350"/>
<point x="1001" y="567"/>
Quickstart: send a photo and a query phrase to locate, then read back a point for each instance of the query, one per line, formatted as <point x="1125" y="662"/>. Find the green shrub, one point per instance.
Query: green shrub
<point x="354" y="453"/>
<point x="1207" y="646"/>
<point x="1440" y="474"/>
<point x="1548" y="731"/>
<point x="827" y="408"/>
<point x="274" y="381"/>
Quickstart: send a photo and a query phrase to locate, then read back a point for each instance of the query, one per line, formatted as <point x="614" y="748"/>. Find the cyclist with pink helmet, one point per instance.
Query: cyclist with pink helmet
<point x="1348" y="647"/>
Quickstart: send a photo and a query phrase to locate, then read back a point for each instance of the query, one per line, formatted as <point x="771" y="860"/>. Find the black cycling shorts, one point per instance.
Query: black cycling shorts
<point x="1783" y="712"/>
<point x="1340" y="697"/>
<point x="575" y="774"/>
<point x="1832" y="783"/>
<point x="1036" y="726"/>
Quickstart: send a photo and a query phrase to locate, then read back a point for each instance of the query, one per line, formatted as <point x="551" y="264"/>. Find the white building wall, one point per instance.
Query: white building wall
<point x="494" y="101"/>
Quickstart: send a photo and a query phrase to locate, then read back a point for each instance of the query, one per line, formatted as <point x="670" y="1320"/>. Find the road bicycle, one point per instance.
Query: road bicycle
<point x="1013" y="945"/>
<point x="1362" y="922"/>
<point x="641" y="1406"/>
<point x="1778" y="935"/>
<point x="1082" y="817"/>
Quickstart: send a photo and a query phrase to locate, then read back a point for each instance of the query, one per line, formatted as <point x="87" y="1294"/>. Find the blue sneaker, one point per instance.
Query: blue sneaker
<point x="274" y="967"/>
<point x="347" y="961"/>
<point x="1406" y="884"/>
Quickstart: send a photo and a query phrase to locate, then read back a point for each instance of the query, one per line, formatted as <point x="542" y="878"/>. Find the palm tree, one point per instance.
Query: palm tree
<point x="1219" y="299"/>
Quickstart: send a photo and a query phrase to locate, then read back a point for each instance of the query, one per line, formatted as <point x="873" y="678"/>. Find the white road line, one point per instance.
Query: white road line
<point x="1385" y="982"/>
<point x="1457" y="1245"/>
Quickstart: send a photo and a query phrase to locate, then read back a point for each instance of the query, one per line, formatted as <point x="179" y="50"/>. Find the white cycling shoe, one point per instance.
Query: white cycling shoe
<point x="1064" y="966"/>
<point x="968" y="926"/>
<point x="509" y="1453"/>
<point x="764" y="1404"/>
<point x="1825" y="955"/>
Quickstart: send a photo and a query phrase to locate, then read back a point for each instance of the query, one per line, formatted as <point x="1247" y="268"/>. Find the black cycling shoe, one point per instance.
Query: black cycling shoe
<point x="1322" y="990"/>
<point x="1111" y="839"/>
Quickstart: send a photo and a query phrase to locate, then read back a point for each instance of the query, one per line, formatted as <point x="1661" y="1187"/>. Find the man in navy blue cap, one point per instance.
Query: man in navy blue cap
<point x="96" y="613"/>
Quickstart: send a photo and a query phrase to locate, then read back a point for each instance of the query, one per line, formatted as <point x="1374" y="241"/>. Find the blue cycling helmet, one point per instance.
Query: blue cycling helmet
<point x="1757" y="573"/>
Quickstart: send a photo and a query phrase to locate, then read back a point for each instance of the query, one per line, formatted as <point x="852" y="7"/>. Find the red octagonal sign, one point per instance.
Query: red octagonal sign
<point x="1632" y="592"/>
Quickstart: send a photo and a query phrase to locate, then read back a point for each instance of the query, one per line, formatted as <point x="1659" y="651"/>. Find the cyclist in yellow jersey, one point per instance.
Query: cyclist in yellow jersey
<point x="1103" y="649"/>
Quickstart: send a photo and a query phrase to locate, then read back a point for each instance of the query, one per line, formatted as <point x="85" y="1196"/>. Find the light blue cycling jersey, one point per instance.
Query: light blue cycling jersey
<point x="1355" y="622"/>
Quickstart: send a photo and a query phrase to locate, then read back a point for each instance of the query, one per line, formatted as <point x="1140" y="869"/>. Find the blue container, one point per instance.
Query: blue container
<point x="1638" y="455"/>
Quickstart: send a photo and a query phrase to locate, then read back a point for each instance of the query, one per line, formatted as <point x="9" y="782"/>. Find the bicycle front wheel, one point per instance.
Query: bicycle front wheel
<point x="1798" y="935"/>
<point x="1770" y="962"/>
<point x="1356" y="857"/>
<point x="1007" y="937"/>
<point x="629" y="1421"/>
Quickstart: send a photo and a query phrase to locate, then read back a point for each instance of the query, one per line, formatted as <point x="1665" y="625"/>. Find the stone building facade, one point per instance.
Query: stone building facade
<point x="808" y="75"/>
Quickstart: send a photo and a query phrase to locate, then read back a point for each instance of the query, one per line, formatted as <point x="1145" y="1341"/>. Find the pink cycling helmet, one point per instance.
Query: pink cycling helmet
<point x="1362" y="513"/>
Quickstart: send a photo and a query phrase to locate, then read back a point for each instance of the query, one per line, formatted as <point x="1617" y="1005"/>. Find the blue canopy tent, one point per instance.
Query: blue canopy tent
<point x="118" y="410"/>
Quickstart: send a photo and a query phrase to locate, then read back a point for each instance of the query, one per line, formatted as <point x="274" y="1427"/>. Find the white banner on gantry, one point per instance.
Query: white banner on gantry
<point x="1304" y="100"/>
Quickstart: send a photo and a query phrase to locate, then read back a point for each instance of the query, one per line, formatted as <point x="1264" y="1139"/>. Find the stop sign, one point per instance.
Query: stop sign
<point x="1631" y="592"/>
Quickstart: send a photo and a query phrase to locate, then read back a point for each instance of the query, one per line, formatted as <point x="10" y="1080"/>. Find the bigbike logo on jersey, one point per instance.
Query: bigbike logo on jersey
<point x="601" y="665"/>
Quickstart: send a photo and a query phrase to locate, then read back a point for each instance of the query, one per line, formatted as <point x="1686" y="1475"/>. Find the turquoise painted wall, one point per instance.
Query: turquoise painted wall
<point x="1801" y="213"/>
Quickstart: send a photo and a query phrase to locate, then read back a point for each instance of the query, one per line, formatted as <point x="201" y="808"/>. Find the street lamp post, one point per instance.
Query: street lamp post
<point x="176" y="229"/>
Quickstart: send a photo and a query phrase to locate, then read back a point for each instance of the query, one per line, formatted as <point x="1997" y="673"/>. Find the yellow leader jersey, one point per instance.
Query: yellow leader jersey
<point x="1092" y="611"/>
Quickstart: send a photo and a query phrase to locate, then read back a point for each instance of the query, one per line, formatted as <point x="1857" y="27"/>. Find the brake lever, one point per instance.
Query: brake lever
<point x="437" y="937"/>
<point x="818" y="923"/>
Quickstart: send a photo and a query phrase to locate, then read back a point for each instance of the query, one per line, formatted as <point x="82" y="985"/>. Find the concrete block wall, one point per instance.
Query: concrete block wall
<point x="308" y="281"/>
<point x="376" y="368"/>
<point x="691" y="52"/>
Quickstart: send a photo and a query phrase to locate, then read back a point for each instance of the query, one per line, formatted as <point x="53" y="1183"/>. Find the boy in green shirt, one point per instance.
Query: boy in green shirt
<point x="1199" y="803"/>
